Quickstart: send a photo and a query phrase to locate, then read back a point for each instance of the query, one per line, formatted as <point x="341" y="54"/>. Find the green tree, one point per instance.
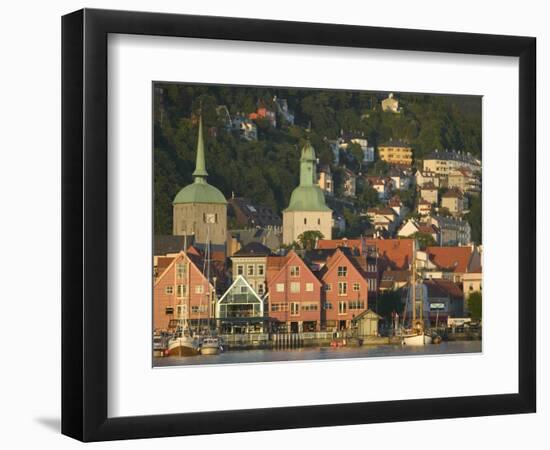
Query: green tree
<point x="475" y="305"/>
<point x="424" y="240"/>
<point x="474" y="218"/>
<point x="388" y="303"/>
<point x="309" y="238"/>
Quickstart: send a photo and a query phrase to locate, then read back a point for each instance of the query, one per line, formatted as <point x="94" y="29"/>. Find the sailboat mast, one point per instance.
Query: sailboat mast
<point x="413" y="284"/>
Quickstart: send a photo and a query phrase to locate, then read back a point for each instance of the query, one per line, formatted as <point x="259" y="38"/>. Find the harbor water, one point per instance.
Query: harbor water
<point x="320" y="353"/>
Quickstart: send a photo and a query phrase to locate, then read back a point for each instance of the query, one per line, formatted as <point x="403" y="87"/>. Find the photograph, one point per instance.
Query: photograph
<point x="306" y="224"/>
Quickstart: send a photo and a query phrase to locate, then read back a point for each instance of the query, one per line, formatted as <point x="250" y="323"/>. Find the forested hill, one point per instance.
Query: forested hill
<point x="266" y="170"/>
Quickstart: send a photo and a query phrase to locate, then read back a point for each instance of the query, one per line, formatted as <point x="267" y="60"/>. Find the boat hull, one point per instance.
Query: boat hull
<point x="210" y="350"/>
<point x="182" y="347"/>
<point x="417" y="339"/>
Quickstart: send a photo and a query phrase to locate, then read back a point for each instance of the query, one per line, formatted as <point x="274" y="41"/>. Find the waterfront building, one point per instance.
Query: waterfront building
<point x="250" y="262"/>
<point x="345" y="291"/>
<point x="366" y="324"/>
<point x="294" y="294"/>
<point x="200" y="209"/>
<point x="240" y="310"/>
<point x="396" y="152"/>
<point x="181" y="291"/>
<point x="307" y="210"/>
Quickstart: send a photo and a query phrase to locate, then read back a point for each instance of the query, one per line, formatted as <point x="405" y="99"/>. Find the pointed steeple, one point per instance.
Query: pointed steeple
<point x="200" y="172"/>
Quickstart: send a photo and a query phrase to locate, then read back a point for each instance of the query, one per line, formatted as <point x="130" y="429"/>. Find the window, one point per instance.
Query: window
<point x="295" y="287"/>
<point x="318" y="221"/>
<point x="342" y="288"/>
<point x="328" y="287"/>
<point x="305" y="221"/>
<point x="244" y="289"/>
<point x="169" y="310"/>
<point x="279" y="307"/>
<point x="359" y="304"/>
<point x="356" y="287"/>
<point x="294" y="271"/>
<point x="180" y="270"/>
<point x="309" y="287"/>
<point x="342" y="271"/>
<point x="260" y="269"/>
<point x="294" y="309"/>
<point x="372" y="284"/>
<point x="181" y="309"/>
<point x="280" y="287"/>
<point x="342" y="307"/>
<point x="199" y="289"/>
<point x="240" y="269"/>
<point x="250" y="270"/>
<point x="371" y="268"/>
<point x="199" y="309"/>
<point x="182" y="290"/>
<point x="309" y="307"/>
<point x="328" y="305"/>
<point x="169" y="290"/>
<point x="260" y="289"/>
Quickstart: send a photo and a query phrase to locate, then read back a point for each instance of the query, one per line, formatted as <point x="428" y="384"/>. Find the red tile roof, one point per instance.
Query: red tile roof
<point x="397" y="252"/>
<point x="450" y="258"/>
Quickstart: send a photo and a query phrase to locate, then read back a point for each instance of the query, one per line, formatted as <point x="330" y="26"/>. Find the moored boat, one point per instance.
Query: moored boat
<point x="416" y="339"/>
<point x="183" y="345"/>
<point x="211" y="346"/>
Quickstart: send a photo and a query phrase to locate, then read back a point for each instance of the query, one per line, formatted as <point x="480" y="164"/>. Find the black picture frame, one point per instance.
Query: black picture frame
<point x="84" y="224"/>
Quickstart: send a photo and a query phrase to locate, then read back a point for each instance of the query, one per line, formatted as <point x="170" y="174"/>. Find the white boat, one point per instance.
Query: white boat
<point x="416" y="339"/>
<point x="183" y="345"/>
<point x="211" y="346"/>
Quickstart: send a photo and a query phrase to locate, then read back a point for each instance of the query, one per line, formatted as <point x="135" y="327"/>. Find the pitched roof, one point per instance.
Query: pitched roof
<point x="166" y="243"/>
<point x="450" y="258"/>
<point x="452" y="193"/>
<point x="335" y="243"/>
<point x="253" y="249"/>
<point x="428" y="185"/>
<point x="439" y="288"/>
<point x="398" y="253"/>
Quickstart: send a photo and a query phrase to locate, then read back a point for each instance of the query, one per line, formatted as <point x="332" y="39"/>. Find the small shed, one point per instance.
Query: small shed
<point x="367" y="323"/>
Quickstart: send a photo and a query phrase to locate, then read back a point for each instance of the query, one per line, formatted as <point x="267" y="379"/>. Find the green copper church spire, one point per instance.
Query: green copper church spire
<point x="308" y="196"/>
<point x="200" y="172"/>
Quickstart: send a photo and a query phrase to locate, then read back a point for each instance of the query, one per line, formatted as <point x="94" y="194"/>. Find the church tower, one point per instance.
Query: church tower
<point x="200" y="209"/>
<point x="307" y="210"/>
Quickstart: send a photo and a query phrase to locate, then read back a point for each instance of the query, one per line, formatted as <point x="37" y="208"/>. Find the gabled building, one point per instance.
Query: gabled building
<point x="453" y="262"/>
<point x="181" y="291"/>
<point x="241" y="310"/>
<point x="464" y="180"/>
<point x="425" y="176"/>
<point x="294" y="294"/>
<point x="345" y="290"/>
<point x="383" y="219"/>
<point x="400" y="180"/>
<point x="412" y="227"/>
